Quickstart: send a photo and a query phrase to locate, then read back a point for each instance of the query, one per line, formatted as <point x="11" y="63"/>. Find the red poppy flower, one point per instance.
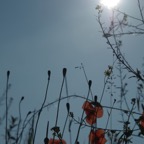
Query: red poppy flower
<point x="57" y="141"/>
<point x="141" y="120"/>
<point x="93" y="111"/>
<point x="97" y="137"/>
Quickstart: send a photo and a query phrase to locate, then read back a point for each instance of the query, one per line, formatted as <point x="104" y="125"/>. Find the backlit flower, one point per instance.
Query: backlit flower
<point x="57" y="141"/>
<point x="141" y="120"/>
<point x="97" y="137"/>
<point x="93" y="111"/>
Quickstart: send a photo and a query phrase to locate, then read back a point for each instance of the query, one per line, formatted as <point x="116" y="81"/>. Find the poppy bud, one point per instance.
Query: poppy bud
<point x="90" y="83"/>
<point x="49" y="73"/>
<point x="47" y="130"/>
<point x="29" y="113"/>
<point x="8" y="73"/>
<point x="95" y="99"/>
<point x="46" y="140"/>
<point x="64" y="72"/>
<point x="22" y="98"/>
<point x="114" y="100"/>
<point x="133" y="100"/>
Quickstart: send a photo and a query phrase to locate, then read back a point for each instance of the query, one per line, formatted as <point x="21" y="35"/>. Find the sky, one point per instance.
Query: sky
<point x="37" y="36"/>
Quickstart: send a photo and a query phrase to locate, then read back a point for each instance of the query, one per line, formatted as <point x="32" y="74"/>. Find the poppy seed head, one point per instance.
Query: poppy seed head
<point x="64" y="72"/>
<point x="8" y="73"/>
<point x="90" y="83"/>
<point x="49" y="74"/>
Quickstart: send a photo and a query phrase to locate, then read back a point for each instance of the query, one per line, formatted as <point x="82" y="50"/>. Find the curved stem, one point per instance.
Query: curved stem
<point x="6" y="128"/>
<point x="39" y="113"/>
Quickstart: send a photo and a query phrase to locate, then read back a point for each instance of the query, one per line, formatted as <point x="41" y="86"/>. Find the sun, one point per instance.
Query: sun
<point x="110" y="3"/>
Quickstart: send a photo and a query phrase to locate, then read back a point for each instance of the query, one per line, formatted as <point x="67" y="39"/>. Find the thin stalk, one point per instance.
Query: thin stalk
<point x="6" y="129"/>
<point x="132" y="17"/>
<point x="140" y="10"/>
<point x="86" y="78"/>
<point x="105" y="82"/>
<point x="57" y="114"/>
<point x="19" y="120"/>
<point x="67" y="105"/>
<point x="110" y="114"/>
<point x="46" y="140"/>
<point x="67" y="94"/>
<point x="23" y="127"/>
<point x="39" y="113"/>
<point x="65" y="125"/>
<point x="90" y="82"/>
<point x="59" y="102"/>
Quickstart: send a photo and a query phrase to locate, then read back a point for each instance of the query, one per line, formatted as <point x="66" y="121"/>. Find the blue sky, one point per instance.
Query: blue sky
<point x="36" y="36"/>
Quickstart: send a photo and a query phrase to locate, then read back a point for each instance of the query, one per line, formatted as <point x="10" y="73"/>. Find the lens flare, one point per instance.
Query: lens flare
<point x="110" y="3"/>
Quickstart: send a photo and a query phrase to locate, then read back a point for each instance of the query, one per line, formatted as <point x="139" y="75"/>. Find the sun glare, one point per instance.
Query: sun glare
<point x="110" y="3"/>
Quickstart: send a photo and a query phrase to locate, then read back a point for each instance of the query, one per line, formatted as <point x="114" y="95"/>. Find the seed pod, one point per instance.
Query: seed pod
<point x="64" y="72"/>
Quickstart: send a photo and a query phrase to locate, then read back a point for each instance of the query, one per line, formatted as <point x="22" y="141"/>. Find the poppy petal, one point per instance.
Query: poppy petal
<point x="99" y="112"/>
<point x="97" y="137"/>
<point x="56" y="141"/>
<point x="92" y="112"/>
<point x="91" y="119"/>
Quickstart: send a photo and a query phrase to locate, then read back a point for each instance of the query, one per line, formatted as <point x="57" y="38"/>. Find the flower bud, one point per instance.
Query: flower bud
<point x="64" y="72"/>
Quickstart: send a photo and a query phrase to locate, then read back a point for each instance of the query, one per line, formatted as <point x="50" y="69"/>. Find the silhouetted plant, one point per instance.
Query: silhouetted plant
<point x="92" y="109"/>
